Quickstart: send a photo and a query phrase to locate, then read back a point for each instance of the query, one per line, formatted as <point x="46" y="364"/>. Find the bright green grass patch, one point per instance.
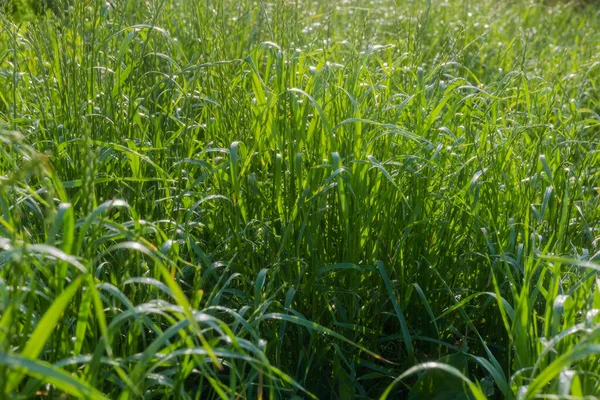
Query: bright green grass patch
<point x="296" y="199"/>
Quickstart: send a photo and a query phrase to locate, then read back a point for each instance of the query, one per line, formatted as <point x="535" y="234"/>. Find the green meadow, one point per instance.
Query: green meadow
<point x="296" y="199"/>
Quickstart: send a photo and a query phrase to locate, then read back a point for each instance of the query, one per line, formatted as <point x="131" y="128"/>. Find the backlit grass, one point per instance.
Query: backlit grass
<point x="296" y="199"/>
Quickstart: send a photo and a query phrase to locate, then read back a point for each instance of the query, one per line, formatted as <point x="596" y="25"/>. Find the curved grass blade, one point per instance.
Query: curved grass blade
<point x="43" y="330"/>
<point x="475" y="390"/>
<point x="312" y="326"/>
<point x="52" y="375"/>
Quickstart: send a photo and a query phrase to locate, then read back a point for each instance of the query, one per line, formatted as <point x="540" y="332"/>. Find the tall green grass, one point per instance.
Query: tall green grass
<point x="296" y="199"/>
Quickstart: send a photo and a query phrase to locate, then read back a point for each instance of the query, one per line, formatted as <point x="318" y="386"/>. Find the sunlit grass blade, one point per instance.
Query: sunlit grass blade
<point x="52" y="375"/>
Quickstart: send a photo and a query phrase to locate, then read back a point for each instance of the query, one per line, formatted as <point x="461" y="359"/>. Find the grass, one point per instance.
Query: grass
<point x="296" y="199"/>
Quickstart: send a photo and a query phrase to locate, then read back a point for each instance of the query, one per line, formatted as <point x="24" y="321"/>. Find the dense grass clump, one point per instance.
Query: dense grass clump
<point x="296" y="199"/>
